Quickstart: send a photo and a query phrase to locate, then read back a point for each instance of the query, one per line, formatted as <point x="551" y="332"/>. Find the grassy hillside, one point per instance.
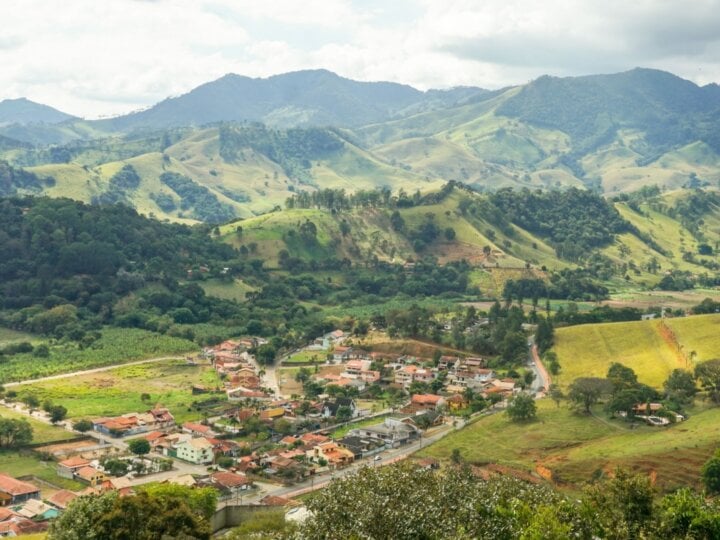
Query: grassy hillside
<point x="571" y="449"/>
<point x="250" y="183"/>
<point x="645" y="346"/>
<point x="588" y="351"/>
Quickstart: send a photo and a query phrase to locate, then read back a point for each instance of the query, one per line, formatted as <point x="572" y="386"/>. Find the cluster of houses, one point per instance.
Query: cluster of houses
<point x="236" y="366"/>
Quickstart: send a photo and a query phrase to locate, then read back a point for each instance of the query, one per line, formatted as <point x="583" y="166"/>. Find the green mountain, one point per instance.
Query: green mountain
<point x="23" y="111"/>
<point x="610" y="133"/>
<point x="302" y="98"/>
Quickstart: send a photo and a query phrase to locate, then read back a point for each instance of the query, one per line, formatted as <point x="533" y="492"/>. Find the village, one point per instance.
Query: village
<point x="356" y="407"/>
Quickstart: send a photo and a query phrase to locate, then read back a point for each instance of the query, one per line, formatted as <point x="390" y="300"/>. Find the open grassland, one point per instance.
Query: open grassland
<point x="118" y="391"/>
<point x="574" y="448"/>
<point x="699" y="334"/>
<point x="117" y="345"/>
<point x="588" y="350"/>
<point x="42" y="432"/>
<point x="344" y="430"/>
<point x="672" y="299"/>
<point x="495" y="439"/>
<point x="232" y="290"/>
<point x="13" y="336"/>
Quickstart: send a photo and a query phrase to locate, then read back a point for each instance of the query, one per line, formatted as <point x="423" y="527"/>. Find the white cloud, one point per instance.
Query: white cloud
<point x="96" y="58"/>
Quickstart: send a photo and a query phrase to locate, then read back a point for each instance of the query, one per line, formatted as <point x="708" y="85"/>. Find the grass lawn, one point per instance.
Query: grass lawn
<point x="304" y="357"/>
<point x="42" y="432"/>
<point x="117" y="345"/>
<point x="17" y="464"/>
<point x="120" y="390"/>
<point x="575" y="448"/>
<point x="588" y="350"/>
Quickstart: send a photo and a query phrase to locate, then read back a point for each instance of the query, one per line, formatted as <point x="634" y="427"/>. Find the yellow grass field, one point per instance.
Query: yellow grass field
<point x="588" y="350"/>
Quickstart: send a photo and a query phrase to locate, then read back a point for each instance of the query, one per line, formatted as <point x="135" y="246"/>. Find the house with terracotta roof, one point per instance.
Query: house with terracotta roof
<point x="13" y="491"/>
<point x="334" y="454"/>
<point x="68" y="467"/>
<point x="90" y="475"/>
<point x="428" y="402"/>
<point x="230" y="481"/>
<point x="354" y="368"/>
<point x="457" y="402"/>
<point x="61" y="499"/>
<point x="198" y="430"/>
<point x="341" y="353"/>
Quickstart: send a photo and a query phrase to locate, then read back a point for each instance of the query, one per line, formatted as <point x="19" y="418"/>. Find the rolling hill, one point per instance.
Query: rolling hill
<point x="611" y="133"/>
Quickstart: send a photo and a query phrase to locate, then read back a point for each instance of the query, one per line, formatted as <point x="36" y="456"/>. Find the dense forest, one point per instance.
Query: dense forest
<point x="574" y="221"/>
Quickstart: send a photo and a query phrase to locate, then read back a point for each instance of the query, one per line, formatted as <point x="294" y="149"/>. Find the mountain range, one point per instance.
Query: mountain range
<point x="243" y="145"/>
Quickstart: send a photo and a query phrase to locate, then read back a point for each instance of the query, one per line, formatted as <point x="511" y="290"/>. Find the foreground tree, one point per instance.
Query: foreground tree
<point x="404" y="503"/>
<point x="156" y="513"/>
<point x="711" y="473"/>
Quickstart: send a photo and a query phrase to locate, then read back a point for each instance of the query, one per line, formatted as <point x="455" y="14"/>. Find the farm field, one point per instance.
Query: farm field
<point x="118" y="391"/>
<point x="117" y="345"/>
<point x="574" y="448"/>
<point x="288" y="384"/>
<point x="234" y="290"/>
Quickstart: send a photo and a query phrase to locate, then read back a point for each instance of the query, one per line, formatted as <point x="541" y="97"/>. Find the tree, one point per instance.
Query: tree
<point x="31" y="401"/>
<point x="15" y="433"/>
<point x="266" y="354"/>
<point x="57" y="414"/>
<point x="556" y="394"/>
<point x="139" y="447"/>
<point x="586" y="391"/>
<point x="343" y="414"/>
<point x="80" y="520"/>
<point x="680" y="387"/>
<point x="449" y="234"/>
<point x="623" y="505"/>
<point x="283" y="426"/>
<point x="456" y="456"/>
<point x="711" y="473"/>
<point x="83" y="426"/>
<point x="303" y="375"/>
<point x="522" y="408"/>
<point x="621" y="377"/>
<point x="709" y="375"/>
<point x="544" y="334"/>
<point x="685" y="514"/>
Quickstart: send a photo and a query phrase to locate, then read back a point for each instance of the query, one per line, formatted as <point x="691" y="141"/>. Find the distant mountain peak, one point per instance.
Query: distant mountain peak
<point x="24" y="111"/>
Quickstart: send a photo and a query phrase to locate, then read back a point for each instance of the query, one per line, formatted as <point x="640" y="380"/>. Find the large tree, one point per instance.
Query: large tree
<point x="522" y="408"/>
<point x="15" y="432"/>
<point x="680" y="387"/>
<point x="587" y="391"/>
<point x="709" y="375"/>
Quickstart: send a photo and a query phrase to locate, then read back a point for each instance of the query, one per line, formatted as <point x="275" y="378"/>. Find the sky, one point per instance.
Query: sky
<point x="95" y="58"/>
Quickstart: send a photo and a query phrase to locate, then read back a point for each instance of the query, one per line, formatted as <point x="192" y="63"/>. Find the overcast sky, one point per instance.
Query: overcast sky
<point x="107" y="57"/>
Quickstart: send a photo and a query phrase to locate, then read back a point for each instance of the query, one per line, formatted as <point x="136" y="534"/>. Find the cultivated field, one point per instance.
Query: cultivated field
<point x="118" y="391"/>
<point x="117" y="345"/>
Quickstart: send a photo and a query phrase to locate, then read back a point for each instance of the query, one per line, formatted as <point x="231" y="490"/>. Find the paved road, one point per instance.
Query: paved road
<point x="541" y="382"/>
<point x="90" y="371"/>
